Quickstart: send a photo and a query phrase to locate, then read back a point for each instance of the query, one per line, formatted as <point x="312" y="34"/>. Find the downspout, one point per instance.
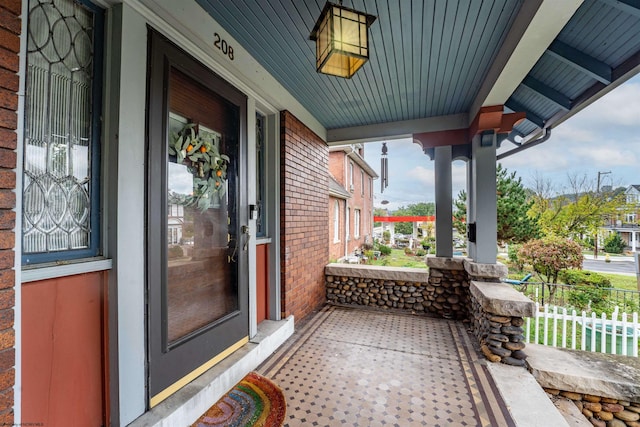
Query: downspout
<point x="524" y="146"/>
<point x="346" y="234"/>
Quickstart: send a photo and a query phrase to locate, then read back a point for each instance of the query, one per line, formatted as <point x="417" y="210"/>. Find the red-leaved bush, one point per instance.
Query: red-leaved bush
<point x="550" y="255"/>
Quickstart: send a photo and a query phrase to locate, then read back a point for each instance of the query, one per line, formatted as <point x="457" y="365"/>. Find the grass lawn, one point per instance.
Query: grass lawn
<point x="399" y="259"/>
<point x="620" y="281"/>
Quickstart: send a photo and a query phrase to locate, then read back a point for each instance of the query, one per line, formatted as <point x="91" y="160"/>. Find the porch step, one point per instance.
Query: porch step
<point x="185" y="406"/>
<point x="526" y="401"/>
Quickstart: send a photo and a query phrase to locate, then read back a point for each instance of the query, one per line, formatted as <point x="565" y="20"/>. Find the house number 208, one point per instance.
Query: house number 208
<point x="222" y="44"/>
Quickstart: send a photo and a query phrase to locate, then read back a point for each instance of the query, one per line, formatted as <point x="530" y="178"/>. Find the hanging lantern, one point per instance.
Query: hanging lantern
<point x="342" y="40"/>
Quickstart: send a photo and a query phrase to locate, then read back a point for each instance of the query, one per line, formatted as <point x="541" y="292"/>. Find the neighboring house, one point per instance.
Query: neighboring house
<point x="627" y="224"/>
<point x="350" y="218"/>
<point x="175" y="224"/>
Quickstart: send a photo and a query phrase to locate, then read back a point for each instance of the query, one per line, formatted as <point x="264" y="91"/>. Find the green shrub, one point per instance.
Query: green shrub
<point x="421" y="252"/>
<point x="584" y="297"/>
<point x="614" y="244"/>
<point x="408" y="251"/>
<point x="384" y="250"/>
<point x="581" y="277"/>
<point x="386" y="236"/>
<point x="512" y="253"/>
<point x="175" y="252"/>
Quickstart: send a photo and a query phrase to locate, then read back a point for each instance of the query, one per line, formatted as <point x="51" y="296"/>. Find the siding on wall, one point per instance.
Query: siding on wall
<point x="9" y="64"/>
<point x="304" y="217"/>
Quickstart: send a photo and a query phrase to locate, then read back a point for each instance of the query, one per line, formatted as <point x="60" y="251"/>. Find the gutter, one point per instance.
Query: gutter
<point x="525" y="145"/>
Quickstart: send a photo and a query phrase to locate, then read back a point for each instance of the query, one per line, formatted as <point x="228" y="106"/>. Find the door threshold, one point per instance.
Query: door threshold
<point x="186" y="405"/>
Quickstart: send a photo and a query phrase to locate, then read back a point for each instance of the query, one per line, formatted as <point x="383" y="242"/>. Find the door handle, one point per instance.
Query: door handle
<point x="246" y="231"/>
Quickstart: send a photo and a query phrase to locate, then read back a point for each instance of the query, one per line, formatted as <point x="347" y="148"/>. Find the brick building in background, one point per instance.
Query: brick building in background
<point x="351" y="202"/>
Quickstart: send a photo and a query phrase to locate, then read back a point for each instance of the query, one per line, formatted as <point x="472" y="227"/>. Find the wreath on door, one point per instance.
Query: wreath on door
<point x="200" y="153"/>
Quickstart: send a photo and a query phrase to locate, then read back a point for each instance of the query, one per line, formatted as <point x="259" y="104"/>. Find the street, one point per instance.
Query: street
<point x="618" y="267"/>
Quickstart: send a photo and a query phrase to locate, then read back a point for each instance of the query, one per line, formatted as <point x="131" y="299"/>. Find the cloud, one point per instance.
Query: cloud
<point x="621" y="107"/>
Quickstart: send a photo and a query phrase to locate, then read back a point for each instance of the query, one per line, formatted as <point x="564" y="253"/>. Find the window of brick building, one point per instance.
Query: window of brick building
<point x="356" y="223"/>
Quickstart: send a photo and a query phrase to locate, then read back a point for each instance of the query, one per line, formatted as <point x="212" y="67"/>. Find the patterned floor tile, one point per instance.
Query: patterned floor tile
<point x="350" y="367"/>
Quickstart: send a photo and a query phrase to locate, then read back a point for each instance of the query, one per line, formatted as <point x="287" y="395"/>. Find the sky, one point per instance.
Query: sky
<point x="604" y="137"/>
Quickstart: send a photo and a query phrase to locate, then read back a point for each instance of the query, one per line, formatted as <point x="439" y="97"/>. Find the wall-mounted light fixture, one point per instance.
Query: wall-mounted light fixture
<point x="342" y="40"/>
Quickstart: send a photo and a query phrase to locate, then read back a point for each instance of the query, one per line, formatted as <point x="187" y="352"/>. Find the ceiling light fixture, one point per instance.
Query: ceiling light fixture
<point x="342" y="40"/>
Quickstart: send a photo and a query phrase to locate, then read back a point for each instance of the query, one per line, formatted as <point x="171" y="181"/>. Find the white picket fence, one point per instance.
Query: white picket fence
<point x="588" y="333"/>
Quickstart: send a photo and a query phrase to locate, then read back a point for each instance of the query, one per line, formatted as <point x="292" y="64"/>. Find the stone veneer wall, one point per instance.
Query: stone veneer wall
<point x="498" y="315"/>
<point x="451" y="298"/>
<point x="501" y="337"/>
<point x="603" y="411"/>
<point x="380" y="287"/>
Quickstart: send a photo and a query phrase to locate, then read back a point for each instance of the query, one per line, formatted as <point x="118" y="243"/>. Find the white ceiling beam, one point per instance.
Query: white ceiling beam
<point x="395" y="130"/>
<point x="538" y="23"/>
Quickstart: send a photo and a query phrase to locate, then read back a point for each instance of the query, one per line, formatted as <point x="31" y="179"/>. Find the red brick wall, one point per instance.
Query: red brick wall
<point x="304" y="217"/>
<point x="337" y="165"/>
<point x="9" y="64"/>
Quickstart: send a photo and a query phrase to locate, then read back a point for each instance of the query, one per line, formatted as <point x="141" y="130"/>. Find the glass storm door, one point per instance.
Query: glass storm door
<point x="196" y="193"/>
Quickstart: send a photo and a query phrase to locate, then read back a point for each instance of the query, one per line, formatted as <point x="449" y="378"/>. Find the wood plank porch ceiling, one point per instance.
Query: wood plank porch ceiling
<point x="435" y="58"/>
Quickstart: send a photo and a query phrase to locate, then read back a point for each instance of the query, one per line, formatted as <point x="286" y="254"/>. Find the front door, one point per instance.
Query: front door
<point x="196" y="214"/>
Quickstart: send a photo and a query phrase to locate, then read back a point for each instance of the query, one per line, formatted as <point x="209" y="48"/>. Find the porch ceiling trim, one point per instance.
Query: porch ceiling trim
<point x="396" y="130"/>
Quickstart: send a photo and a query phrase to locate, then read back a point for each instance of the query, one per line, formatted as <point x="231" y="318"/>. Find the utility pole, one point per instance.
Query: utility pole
<point x="595" y="240"/>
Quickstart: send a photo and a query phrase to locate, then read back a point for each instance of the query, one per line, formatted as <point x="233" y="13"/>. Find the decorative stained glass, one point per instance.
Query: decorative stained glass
<point x="58" y="127"/>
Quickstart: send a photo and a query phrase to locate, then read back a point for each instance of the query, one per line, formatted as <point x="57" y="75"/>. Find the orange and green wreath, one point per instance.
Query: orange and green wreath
<point x="199" y="152"/>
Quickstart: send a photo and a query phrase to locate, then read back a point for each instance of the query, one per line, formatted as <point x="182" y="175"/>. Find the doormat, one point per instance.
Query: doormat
<point x="254" y="402"/>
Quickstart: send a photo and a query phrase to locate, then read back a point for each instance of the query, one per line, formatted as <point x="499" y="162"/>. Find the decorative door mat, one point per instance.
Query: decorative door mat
<point x="254" y="401"/>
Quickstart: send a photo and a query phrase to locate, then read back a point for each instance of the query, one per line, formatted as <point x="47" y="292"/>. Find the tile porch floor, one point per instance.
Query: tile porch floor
<point x="359" y="367"/>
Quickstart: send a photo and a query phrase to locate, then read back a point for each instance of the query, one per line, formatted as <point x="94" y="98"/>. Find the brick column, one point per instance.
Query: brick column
<point x="304" y="217"/>
<point x="9" y="66"/>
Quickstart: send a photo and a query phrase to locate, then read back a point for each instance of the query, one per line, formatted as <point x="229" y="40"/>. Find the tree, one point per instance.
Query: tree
<point x="549" y="256"/>
<point x="513" y="204"/>
<point x="579" y="212"/>
<point x="514" y="225"/>
<point x="379" y="212"/>
<point x="614" y="244"/>
<point x="418" y="209"/>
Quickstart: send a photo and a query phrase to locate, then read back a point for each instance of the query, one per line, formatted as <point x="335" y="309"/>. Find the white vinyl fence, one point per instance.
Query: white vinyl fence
<point x="557" y="327"/>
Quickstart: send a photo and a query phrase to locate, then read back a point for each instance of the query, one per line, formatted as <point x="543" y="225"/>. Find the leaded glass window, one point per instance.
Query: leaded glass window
<point x="60" y="200"/>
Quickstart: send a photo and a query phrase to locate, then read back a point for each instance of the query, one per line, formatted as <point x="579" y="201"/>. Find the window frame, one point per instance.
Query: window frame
<point x="356" y="223"/>
<point x="347" y="228"/>
<point x="336" y="222"/>
<point x="95" y="191"/>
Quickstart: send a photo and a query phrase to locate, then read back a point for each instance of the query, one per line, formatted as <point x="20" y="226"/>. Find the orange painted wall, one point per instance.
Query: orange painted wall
<point x="62" y="352"/>
<point x="262" y="281"/>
